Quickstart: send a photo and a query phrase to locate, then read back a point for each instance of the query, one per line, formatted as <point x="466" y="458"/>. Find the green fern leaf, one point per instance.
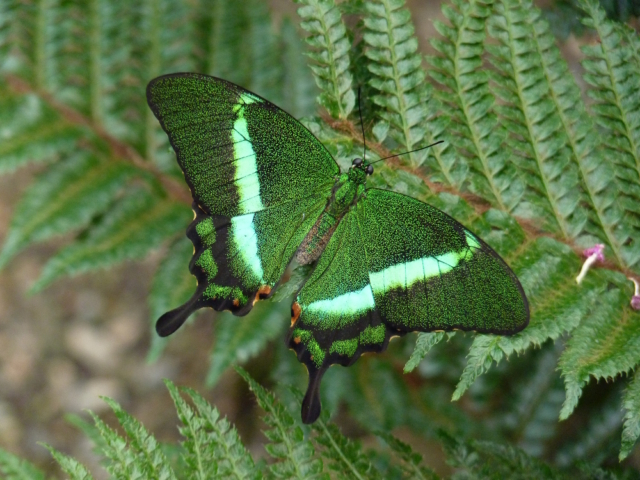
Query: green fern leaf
<point x="468" y="102"/>
<point x="424" y="343"/>
<point x="212" y="446"/>
<point x="13" y="468"/>
<point x="533" y="120"/>
<point x="70" y="466"/>
<point x="65" y="197"/>
<point x="31" y="132"/>
<point x="150" y="460"/>
<point x="398" y="77"/>
<point x="344" y="456"/>
<point x="134" y="226"/>
<point x="412" y="461"/>
<point x="237" y="342"/>
<point x="579" y="134"/>
<point x="330" y="51"/>
<point x="631" y="403"/>
<point x="606" y="344"/>
<point x="613" y="76"/>
<point x="295" y="455"/>
<point x="299" y="89"/>
<point x="172" y="286"/>
<point x="122" y="461"/>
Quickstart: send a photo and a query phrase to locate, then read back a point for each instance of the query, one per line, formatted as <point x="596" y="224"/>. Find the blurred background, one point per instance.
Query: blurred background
<point x="63" y="347"/>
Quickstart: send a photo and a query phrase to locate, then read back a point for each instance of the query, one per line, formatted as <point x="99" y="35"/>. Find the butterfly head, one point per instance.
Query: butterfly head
<point x="359" y="170"/>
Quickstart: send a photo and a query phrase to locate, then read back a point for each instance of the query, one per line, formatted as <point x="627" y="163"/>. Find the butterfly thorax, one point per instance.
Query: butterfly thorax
<point x="346" y="191"/>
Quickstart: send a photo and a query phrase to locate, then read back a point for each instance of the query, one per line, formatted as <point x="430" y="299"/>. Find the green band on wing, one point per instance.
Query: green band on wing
<point x="407" y="273"/>
<point x="245" y="239"/>
<point x="248" y="184"/>
<point x="246" y="175"/>
<point x="348" y="304"/>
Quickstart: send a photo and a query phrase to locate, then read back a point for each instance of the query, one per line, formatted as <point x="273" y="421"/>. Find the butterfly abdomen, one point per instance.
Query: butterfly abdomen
<point x="317" y="238"/>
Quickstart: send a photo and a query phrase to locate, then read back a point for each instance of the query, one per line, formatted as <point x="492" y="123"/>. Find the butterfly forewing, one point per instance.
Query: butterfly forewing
<point x="239" y="153"/>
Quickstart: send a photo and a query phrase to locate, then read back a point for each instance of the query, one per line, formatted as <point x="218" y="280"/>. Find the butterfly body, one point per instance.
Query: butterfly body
<point x="266" y="191"/>
<point x="348" y="188"/>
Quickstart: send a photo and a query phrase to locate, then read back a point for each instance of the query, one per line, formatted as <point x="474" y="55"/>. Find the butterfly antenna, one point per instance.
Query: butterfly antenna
<point x="364" y="141"/>
<point x="410" y="151"/>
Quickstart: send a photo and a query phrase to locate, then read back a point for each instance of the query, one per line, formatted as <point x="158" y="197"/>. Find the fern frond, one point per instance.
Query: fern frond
<point x="294" y="454"/>
<point x="171" y="287"/>
<point x="604" y="345"/>
<point x="13" y="468"/>
<point x="580" y="136"/>
<point x="152" y="463"/>
<point x="631" y="430"/>
<point x="70" y="466"/>
<point x="237" y="342"/>
<point x="343" y="455"/>
<point x="424" y="343"/>
<point x="558" y="305"/>
<point x="398" y="77"/>
<point x="412" y="461"/>
<point x="135" y="225"/>
<point x="65" y="197"/>
<point x="330" y="47"/>
<point x="212" y="446"/>
<point x="31" y="132"/>
<point x="614" y="76"/>
<point x="533" y="121"/>
<point x="122" y="461"/>
<point x="299" y="88"/>
<point x="468" y="102"/>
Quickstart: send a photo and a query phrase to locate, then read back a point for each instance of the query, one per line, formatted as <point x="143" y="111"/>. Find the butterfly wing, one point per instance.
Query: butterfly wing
<point x="396" y="265"/>
<point x="239" y="152"/>
<point x="259" y="180"/>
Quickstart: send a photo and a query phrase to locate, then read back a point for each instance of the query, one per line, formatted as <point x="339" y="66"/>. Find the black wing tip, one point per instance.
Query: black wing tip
<point x="311" y="405"/>
<point x="174" y="319"/>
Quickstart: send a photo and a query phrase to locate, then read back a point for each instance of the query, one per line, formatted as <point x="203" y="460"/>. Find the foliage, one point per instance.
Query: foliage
<point x="529" y="165"/>
<point x="211" y="448"/>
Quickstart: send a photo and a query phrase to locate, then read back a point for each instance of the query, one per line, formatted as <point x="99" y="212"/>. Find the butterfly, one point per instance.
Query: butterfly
<point x="266" y="191"/>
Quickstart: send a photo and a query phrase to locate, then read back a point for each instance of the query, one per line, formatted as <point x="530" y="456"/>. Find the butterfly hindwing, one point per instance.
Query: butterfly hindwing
<point x="428" y="272"/>
<point x="239" y="152"/>
<point x="240" y="260"/>
<point x="396" y="265"/>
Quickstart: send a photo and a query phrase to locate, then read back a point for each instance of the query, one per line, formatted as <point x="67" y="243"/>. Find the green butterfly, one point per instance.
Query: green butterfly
<point x="266" y="191"/>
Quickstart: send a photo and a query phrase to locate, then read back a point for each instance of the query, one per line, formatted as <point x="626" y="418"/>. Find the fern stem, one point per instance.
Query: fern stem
<point x="174" y="188"/>
<point x="95" y="57"/>
<point x="336" y="448"/>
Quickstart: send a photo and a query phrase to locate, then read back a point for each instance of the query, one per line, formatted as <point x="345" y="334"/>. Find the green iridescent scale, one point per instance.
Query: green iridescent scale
<point x="266" y="191"/>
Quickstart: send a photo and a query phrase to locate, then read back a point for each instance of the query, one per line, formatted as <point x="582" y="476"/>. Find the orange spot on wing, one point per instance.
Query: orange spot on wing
<point x="236" y="302"/>
<point x="296" y="340"/>
<point x="263" y="292"/>
<point x="296" y="310"/>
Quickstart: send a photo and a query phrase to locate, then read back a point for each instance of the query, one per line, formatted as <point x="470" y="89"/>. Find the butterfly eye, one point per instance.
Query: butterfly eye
<point x="357" y="162"/>
<point x="369" y="169"/>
